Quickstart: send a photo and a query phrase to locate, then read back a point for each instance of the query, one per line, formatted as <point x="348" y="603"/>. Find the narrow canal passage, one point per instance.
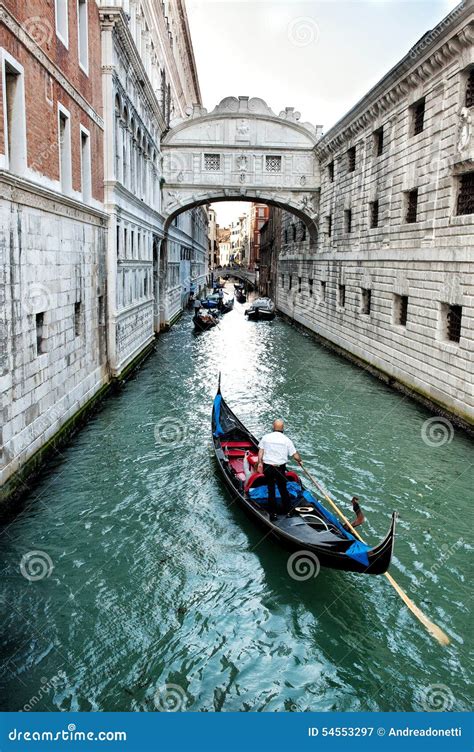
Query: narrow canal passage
<point x="162" y="593"/>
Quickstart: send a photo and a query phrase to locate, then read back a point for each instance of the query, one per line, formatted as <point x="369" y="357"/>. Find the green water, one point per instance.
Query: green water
<point x="163" y="594"/>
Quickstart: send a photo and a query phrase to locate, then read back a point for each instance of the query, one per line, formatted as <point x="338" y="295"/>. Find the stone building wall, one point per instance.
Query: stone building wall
<point x="393" y="270"/>
<point x="52" y="226"/>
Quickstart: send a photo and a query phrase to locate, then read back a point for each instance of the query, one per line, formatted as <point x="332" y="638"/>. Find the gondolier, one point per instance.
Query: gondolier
<point x="274" y="450"/>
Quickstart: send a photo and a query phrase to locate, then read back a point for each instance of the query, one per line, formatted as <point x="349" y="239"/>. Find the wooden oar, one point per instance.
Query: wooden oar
<point x="432" y="628"/>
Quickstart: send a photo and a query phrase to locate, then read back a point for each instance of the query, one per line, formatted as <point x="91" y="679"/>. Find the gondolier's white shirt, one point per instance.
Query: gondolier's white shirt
<point x="276" y="448"/>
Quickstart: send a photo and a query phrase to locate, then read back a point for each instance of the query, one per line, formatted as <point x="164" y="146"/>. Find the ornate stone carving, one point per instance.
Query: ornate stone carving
<point x="464" y="129"/>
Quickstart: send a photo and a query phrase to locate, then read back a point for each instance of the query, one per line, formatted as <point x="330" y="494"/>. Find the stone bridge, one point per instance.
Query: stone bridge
<point x="242" y="150"/>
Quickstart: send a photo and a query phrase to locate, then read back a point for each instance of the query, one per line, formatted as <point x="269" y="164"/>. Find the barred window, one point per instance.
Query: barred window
<point x="341" y="295"/>
<point x="418" y="117"/>
<point x="348" y="220"/>
<point x="329" y="224"/>
<point x="470" y="89"/>
<point x="290" y="281"/>
<point x="378" y="142"/>
<point x="310" y="284"/>
<point x="400" y="309"/>
<point x="411" y="206"/>
<point x="351" y="159"/>
<point x="322" y="291"/>
<point x="454" y="318"/>
<point x="212" y="162"/>
<point x="465" y="203"/>
<point x="299" y="285"/>
<point x="331" y="171"/>
<point x="272" y="164"/>
<point x="374" y="213"/>
<point x="366" y="301"/>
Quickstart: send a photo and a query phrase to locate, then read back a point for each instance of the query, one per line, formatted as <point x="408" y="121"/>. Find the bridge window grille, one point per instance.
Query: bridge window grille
<point x="351" y="159"/>
<point x="272" y="164"/>
<point x="378" y="142"/>
<point x="331" y="171"/>
<point x="465" y="203"/>
<point x="400" y="309"/>
<point x="366" y="301"/>
<point x="212" y="162"/>
<point x="470" y="88"/>
<point x="411" y="206"/>
<point x="374" y="213"/>
<point x="418" y="117"/>
<point x="348" y="220"/>
<point x="341" y="293"/>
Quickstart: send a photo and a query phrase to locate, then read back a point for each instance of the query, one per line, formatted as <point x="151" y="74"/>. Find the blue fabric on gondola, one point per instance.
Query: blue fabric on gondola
<point x="358" y="550"/>
<point x="217" y="415"/>
<point x="260" y="493"/>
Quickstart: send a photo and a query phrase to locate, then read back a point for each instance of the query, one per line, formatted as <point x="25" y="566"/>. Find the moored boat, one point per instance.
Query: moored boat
<point x="262" y="308"/>
<point x="311" y="529"/>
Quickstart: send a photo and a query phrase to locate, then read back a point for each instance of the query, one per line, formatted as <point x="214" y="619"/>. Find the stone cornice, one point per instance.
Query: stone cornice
<point x="29" y="43"/>
<point x="115" y="18"/>
<point x="22" y="191"/>
<point x="431" y="54"/>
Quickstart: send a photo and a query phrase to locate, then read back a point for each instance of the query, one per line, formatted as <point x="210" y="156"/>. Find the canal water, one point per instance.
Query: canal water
<point x="150" y="590"/>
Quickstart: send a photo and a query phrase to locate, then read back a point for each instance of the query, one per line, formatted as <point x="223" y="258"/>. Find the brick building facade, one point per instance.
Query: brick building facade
<point x="52" y="236"/>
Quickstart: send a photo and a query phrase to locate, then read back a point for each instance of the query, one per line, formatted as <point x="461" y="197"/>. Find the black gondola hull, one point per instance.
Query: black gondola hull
<point x="379" y="557"/>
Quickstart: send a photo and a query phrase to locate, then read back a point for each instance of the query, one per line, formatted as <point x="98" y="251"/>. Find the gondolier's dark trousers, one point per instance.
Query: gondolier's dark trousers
<point x="275" y="476"/>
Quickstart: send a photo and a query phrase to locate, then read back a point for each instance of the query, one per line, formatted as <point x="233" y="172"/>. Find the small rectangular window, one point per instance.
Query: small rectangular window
<point x="82" y="33"/>
<point x="351" y="159"/>
<point x="417" y="112"/>
<point x="117" y="240"/>
<point x="85" y="166"/>
<point x="341" y="296"/>
<point x="212" y="162"/>
<point x="272" y="163"/>
<point x="374" y="213"/>
<point x="282" y="280"/>
<point x="348" y="220"/>
<point x="65" y="151"/>
<point x="299" y="285"/>
<point x="451" y="322"/>
<point x="329" y="225"/>
<point x="400" y="309"/>
<point x="378" y="142"/>
<point x="331" y="172"/>
<point x="322" y="290"/>
<point x="469" y="101"/>
<point x="366" y="301"/>
<point x="310" y="285"/>
<point x="290" y="282"/>
<point x="62" y="21"/>
<point x="39" y="333"/>
<point x="14" y="103"/>
<point x="411" y="206"/>
<point x="77" y="319"/>
<point x="465" y="202"/>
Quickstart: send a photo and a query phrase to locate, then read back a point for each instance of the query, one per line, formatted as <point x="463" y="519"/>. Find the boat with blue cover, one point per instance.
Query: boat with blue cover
<point x="311" y="528"/>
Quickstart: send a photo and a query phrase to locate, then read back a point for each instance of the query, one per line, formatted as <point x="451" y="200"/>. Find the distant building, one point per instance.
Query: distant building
<point x="213" y="259"/>
<point x="224" y="245"/>
<point x="258" y="216"/>
<point x="239" y="239"/>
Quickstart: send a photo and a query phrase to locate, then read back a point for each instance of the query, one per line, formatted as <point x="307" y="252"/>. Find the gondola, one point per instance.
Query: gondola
<point x="204" y="320"/>
<point x="262" y="308"/>
<point x="311" y="528"/>
<point x="227" y="305"/>
<point x="240" y="293"/>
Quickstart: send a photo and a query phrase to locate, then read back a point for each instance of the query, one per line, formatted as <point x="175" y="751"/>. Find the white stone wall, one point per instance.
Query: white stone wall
<point x="431" y="260"/>
<point x="53" y="256"/>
